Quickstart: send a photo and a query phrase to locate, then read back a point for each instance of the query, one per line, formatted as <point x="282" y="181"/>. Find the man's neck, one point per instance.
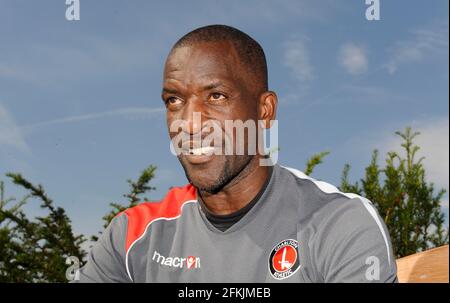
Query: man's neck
<point x="238" y="194"/>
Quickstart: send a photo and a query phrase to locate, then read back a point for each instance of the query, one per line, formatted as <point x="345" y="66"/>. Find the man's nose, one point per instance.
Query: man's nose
<point x="192" y="116"/>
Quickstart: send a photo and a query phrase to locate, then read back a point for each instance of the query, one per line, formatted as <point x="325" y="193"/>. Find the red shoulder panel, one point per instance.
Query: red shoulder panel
<point x="140" y="216"/>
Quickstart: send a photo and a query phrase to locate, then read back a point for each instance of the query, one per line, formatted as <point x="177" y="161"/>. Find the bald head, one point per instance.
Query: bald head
<point x="251" y="57"/>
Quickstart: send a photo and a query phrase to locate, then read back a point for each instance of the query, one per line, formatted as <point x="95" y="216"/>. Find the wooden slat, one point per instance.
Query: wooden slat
<point x="430" y="266"/>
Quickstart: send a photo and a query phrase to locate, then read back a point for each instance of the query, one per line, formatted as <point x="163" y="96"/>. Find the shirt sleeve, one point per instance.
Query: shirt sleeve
<point x="106" y="260"/>
<point x="354" y="244"/>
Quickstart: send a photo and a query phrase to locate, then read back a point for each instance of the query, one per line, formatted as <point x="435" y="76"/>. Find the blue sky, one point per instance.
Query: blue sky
<point x="80" y="107"/>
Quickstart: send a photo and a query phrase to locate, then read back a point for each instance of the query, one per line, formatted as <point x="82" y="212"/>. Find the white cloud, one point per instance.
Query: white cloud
<point x="296" y="58"/>
<point x="368" y="94"/>
<point x="9" y="72"/>
<point x="424" y="43"/>
<point x="433" y="142"/>
<point x="444" y="203"/>
<point x="296" y="98"/>
<point x="344" y="94"/>
<point x="48" y="64"/>
<point x="10" y="133"/>
<point x="353" y="58"/>
<point x="130" y="112"/>
<point x="434" y="146"/>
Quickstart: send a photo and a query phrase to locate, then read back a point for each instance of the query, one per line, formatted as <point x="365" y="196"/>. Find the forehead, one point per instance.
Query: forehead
<point x="202" y="61"/>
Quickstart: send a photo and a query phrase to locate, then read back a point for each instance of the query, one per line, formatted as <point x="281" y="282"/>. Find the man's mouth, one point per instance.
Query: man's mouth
<point x="206" y="150"/>
<point x="197" y="154"/>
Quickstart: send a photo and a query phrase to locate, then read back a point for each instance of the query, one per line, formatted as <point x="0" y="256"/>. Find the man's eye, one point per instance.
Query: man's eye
<point x="173" y="101"/>
<point x="217" y="97"/>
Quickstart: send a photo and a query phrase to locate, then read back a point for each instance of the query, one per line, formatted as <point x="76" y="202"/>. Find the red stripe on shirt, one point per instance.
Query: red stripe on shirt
<point x="140" y="216"/>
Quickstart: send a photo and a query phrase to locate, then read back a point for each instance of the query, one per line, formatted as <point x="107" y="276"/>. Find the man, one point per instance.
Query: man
<point x="237" y="220"/>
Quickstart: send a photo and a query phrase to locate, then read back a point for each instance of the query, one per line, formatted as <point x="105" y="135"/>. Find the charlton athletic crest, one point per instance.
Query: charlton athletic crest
<point x="284" y="260"/>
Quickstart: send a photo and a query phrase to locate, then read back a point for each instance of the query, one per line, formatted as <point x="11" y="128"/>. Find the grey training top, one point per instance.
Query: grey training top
<point x="300" y="230"/>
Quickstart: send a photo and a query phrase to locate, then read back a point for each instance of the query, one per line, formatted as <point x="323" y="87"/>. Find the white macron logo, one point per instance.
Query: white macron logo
<point x="189" y="262"/>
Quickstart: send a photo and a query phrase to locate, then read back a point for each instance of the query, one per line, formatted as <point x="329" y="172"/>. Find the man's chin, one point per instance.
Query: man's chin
<point x="206" y="176"/>
<point x="209" y="186"/>
<point x="213" y="176"/>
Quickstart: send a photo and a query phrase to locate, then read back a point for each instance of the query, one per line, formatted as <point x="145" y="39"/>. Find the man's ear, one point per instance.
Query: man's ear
<point x="267" y="108"/>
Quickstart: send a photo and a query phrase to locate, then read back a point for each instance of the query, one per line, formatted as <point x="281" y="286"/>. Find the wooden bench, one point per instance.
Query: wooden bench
<point x="430" y="266"/>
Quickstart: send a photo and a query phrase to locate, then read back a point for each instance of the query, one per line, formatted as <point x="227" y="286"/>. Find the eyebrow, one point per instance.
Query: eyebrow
<point x="169" y="90"/>
<point x="210" y="86"/>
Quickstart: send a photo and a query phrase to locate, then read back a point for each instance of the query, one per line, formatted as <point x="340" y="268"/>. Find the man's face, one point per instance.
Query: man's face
<point x="207" y="78"/>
